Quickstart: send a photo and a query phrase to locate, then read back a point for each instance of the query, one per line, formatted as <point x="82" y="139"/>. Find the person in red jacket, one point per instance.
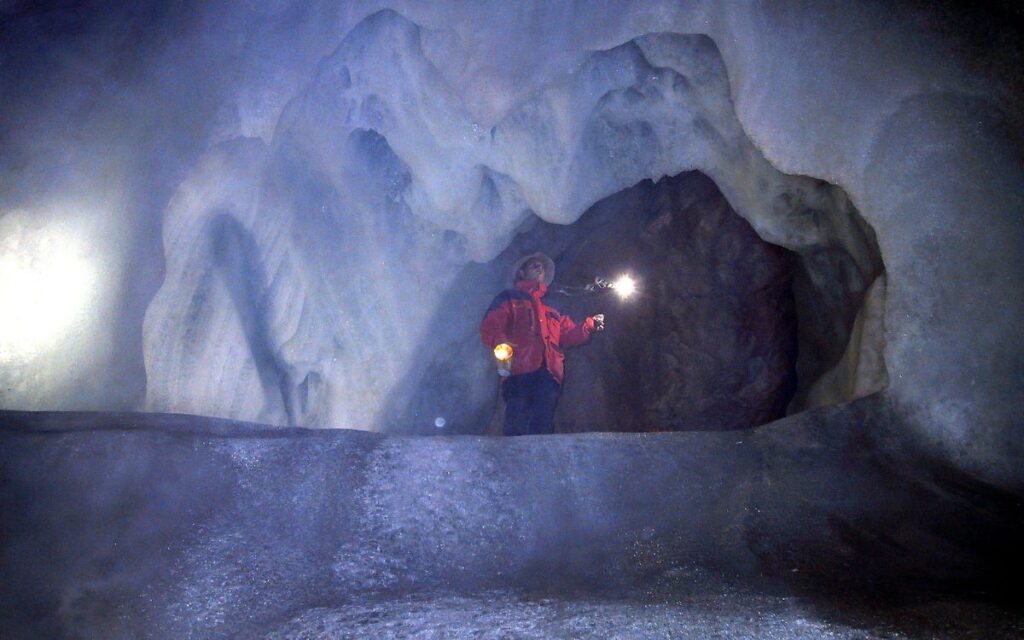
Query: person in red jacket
<point x="537" y="335"/>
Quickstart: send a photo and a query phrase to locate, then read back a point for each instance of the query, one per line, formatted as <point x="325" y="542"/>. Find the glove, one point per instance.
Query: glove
<point x="599" y="322"/>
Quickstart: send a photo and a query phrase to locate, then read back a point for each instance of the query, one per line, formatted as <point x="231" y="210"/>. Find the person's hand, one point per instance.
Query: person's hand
<point x="599" y="322"/>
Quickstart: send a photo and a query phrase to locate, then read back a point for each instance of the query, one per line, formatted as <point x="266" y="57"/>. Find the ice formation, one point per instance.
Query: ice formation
<point x="347" y="162"/>
<point x="378" y="182"/>
<point x="295" y="212"/>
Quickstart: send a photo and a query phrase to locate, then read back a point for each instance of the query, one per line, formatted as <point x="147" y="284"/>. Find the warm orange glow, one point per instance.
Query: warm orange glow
<point x="503" y="351"/>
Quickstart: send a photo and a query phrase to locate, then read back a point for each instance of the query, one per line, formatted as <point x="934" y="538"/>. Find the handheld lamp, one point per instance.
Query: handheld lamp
<point x="503" y="353"/>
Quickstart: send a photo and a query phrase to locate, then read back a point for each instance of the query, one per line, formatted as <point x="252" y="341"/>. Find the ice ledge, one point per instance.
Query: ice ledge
<point x="212" y="527"/>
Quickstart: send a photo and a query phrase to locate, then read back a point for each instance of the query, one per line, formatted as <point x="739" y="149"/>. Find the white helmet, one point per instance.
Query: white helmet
<point x="549" y="267"/>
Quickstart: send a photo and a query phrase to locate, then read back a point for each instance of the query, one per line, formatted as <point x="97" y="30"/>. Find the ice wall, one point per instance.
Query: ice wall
<point x="441" y="127"/>
<point x="378" y="182"/>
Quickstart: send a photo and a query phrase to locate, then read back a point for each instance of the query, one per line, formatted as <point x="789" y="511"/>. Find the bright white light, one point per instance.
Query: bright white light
<point x="44" y="288"/>
<point x="439" y="422"/>
<point x="624" y="286"/>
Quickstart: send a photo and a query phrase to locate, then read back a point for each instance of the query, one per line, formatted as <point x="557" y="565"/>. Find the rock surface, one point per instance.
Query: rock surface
<point x="134" y="525"/>
<point x="708" y="342"/>
<point x="730" y="615"/>
<point x="710" y="339"/>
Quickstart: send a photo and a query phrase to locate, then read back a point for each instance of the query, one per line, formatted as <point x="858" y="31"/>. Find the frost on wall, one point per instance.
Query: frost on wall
<point x="494" y="112"/>
<point x="302" y="274"/>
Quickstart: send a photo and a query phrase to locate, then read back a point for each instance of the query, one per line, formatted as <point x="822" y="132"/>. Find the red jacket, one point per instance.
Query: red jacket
<point x="514" y="317"/>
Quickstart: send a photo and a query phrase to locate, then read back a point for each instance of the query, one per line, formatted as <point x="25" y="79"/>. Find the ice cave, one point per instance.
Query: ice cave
<point x="245" y="252"/>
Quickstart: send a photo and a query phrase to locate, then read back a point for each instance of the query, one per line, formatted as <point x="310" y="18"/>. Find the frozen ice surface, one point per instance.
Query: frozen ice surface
<point x="349" y="159"/>
<point x="428" y="135"/>
<point x="727" y="615"/>
<point x="170" y="526"/>
<point x="304" y="300"/>
<point x="322" y="173"/>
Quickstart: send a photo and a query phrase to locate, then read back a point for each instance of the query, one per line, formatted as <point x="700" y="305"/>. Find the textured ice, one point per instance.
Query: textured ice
<point x="350" y="161"/>
<point x="169" y="526"/>
<point x="730" y="615"/>
<point x="336" y="279"/>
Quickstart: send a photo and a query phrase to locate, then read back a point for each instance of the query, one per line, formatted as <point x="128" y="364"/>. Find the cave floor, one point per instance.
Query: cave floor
<point x="143" y="526"/>
<point x="731" y="614"/>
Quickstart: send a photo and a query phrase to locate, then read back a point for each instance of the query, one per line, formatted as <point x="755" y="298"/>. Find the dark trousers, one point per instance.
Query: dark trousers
<point x="530" y="400"/>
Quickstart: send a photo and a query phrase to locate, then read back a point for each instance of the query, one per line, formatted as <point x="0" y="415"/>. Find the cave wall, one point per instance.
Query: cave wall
<point x="710" y="339"/>
<point x="487" y="114"/>
<point x="377" y="185"/>
<point x="708" y="342"/>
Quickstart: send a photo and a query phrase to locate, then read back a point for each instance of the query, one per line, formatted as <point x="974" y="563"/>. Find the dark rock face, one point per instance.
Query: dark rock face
<point x="710" y="340"/>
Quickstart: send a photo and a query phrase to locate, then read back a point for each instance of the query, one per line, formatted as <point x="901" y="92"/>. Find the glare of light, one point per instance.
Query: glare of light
<point x="624" y="286"/>
<point x="44" y="290"/>
<point x="439" y="422"/>
<point x="503" y="351"/>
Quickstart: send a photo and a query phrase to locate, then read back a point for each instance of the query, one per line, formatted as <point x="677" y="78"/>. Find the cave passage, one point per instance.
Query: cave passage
<point x="710" y="341"/>
<point x="726" y="331"/>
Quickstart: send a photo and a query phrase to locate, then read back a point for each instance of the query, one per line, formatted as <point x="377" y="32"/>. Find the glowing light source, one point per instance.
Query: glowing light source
<point x="503" y="351"/>
<point x="44" y="289"/>
<point x="625" y="286"/>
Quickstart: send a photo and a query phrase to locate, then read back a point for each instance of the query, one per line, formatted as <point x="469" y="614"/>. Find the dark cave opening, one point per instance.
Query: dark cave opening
<point x="710" y="341"/>
<point x="727" y="331"/>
